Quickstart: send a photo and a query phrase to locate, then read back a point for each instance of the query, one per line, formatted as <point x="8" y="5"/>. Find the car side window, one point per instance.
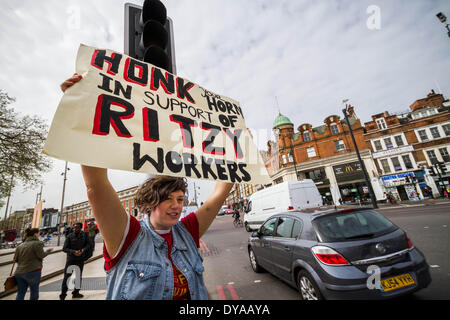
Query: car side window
<point x="268" y="227"/>
<point x="296" y="229"/>
<point x="249" y="206"/>
<point x="284" y="227"/>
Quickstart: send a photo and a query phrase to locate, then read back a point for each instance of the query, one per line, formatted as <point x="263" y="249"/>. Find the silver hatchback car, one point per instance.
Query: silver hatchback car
<point x="339" y="254"/>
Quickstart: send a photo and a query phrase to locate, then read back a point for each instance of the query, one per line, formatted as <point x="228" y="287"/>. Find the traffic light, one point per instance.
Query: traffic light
<point x="442" y="167"/>
<point x="149" y="34"/>
<point x="431" y="171"/>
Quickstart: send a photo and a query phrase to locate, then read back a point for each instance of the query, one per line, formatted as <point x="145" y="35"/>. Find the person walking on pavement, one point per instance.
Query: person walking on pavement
<point x="92" y="232"/>
<point x="29" y="256"/>
<point x="76" y="243"/>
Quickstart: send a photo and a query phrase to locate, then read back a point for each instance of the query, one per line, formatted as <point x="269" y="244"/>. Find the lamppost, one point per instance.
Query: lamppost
<point x="62" y="203"/>
<point x="361" y="163"/>
<point x="293" y="159"/>
<point x="195" y="194"/>
<point x="443" y="19"/>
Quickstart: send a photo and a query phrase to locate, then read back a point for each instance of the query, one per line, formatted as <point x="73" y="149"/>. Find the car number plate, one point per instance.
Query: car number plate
<point x="397" y="282"/>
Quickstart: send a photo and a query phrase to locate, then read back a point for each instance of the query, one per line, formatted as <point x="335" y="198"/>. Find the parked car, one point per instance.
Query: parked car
<point x="339" y="254"/>
<point x="288" y="195"/>
<point x="221" y="212"/>
<point x="229" y="211"/>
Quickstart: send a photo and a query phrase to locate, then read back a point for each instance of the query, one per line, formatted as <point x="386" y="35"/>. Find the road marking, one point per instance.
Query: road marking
<point x="434" y="266"/>
<point x="257" y="281"/>
<point x="222" y="295"/>
<point x="233" y="293"/>
<point x="425" y="227"/>
<point x="203" y="246"/>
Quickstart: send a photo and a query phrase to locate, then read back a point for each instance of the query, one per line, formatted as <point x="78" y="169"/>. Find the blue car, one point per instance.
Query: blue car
<point x="339" y="254"/>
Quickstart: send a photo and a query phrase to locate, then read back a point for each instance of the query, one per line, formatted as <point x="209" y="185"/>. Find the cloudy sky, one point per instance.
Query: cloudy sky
<point x="310" y="55"/>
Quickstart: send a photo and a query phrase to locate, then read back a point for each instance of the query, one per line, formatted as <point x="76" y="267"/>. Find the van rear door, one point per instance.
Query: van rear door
<point x="298" y="197"/>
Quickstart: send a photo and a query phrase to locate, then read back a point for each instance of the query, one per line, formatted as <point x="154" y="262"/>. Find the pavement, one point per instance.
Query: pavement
<point x="94" y="278"/>
<point x="93" y="285"/>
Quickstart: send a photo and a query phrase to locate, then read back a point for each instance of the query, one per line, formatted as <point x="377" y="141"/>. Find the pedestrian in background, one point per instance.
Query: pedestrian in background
<point x="29" y="256"/>
<point x="92" y="232"/>
<point x="76" y="243"/>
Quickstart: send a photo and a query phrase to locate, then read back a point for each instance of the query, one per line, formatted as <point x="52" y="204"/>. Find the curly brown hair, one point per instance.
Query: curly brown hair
<point x="157" y="189"/>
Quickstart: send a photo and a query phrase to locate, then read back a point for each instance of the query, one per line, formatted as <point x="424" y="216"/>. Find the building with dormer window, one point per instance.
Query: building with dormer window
<point x="406" y="144"/>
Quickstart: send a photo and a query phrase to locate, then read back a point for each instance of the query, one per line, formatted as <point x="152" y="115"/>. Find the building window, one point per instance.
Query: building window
<point x="334" y="128"/>
<point x="381" y="123"/>
<point x="339" y="145"/>
<point x="444" y="154"/>
<point x="396" y="164"/>
<point x="378" y="146"/>
<point x="290" y="157"/>
<point x="388" y="143"/>
<point x="385" y="165"/>
<point x="306" y="136"/>
<point x="435" y="133"/>
<point x="407" y="162"/>
<point x="316" y="175"/>
<point x="423" y="135"/>
<point x="311" y="152"/>
<point x="399" y="141"/>
<point x="432" y="156"/>
<point x="284" y="158"/>
<point x="446" y="128"/>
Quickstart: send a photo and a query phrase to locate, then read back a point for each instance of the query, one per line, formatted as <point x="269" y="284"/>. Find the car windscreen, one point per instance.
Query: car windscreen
<point x="343" y="226"/>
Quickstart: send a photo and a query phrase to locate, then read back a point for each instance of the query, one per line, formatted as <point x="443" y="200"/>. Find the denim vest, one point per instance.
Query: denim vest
<point x="145" y="273"/>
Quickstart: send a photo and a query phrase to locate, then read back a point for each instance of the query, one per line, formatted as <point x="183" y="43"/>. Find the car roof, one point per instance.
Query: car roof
<point x="313" y="213"/>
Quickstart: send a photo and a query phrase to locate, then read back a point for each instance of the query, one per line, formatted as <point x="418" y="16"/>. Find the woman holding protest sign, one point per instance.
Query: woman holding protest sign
<point x="157" y="257"/>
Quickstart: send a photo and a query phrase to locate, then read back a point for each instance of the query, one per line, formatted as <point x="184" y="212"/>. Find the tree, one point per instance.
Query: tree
<point x="21" y="142"/>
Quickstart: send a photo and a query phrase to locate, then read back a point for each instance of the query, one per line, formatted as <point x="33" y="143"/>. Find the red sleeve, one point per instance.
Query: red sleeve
<point x="191" y="224"/>
<point x="133" y="230"/>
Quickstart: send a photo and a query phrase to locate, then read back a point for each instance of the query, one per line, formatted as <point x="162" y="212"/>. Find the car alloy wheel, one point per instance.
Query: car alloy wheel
<point x="307" y="287"/>
<point x="254" y="262"/>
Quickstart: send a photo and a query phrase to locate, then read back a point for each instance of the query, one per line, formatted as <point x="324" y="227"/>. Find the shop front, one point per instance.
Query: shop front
<point x="402" y="186"/>
<point x="326" y="194"/>
<point x="351" y="183"/>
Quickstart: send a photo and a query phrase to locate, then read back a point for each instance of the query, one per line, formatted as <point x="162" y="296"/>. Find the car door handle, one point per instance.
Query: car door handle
<point x="287" y="249"/>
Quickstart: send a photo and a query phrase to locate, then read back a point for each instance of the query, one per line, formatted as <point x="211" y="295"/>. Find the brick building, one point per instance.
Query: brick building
<point x="82" y="211"/>
<point x="405" y="144"/>
<point x="324" y="154"/>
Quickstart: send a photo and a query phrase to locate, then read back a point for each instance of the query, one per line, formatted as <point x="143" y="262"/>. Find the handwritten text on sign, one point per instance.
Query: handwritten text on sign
<point x="130" y="115"/>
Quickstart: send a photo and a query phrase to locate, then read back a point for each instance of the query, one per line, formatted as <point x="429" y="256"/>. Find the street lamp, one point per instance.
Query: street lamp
<point x="443" y="19"/>
<point x="62" y="202"/>
<point x="361" y="163"/>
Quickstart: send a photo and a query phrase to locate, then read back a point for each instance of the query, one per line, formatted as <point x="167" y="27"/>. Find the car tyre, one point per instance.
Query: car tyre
<point x="254" y="262"/>
<point x="247" y="228"/>
<point x="307" y="287"/>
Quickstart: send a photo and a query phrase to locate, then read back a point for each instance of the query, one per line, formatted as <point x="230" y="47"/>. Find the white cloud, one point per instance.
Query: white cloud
<point x="310" y="54"/>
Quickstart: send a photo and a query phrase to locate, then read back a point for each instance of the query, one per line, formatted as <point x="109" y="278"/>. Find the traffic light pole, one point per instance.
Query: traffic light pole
<point x="62" y="205"/>
<point x="363" y="167"/>
<point x="438" y="168"/>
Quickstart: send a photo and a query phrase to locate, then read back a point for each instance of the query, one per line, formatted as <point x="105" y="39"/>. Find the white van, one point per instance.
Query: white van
<point x="187" y="210"/>
<point x="285" y="196"/>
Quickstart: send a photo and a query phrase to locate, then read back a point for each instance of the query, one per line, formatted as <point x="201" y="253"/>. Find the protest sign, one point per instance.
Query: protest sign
<point x="130" y="115"/>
